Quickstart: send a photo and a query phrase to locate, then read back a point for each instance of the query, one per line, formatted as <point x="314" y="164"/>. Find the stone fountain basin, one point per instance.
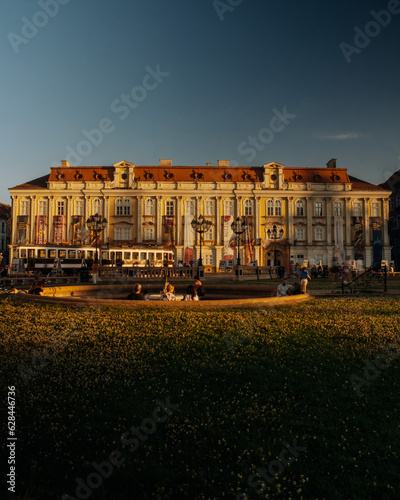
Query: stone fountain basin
<point x="217" y="296"/>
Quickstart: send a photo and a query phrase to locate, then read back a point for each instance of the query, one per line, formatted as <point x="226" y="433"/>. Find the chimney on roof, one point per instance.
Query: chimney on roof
<point x="331" y="163"/>
<point x="223" y="163"/>
<point x="64" y="163"/>
<point x="165" y="163"/>
<point x="208" y="164"/>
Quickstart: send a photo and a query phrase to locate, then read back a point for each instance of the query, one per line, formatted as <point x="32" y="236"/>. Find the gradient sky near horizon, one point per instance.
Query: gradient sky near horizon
<point x="226" y="72"/>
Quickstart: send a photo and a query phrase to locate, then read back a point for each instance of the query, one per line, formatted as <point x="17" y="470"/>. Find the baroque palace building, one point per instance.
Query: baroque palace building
<point x="317" y="213"/>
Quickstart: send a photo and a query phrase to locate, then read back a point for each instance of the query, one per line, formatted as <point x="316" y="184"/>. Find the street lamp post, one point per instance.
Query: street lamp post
<point x="238" y="226"/>
<point x="201" y="226"/>
<point x="274" y="235"/>
<point x="96" y="225"/>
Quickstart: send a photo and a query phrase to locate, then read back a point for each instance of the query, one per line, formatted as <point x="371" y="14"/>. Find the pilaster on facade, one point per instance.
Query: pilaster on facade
<point x="32" y="218"/>
<point x="218" y="222"/>
<point x="69" y="218"/>
<point x="179" y="220"/>
<point x="348" y="222"/>
<point x="385" y="222"/>
<point x="158" y="220"/>
<point x="51" y="218"/>
<point x="106" y="234"/>
<point x="367" y="230"/>
<point x="239" y="206"/>
<point x="328" y="221"/>
<point x="14" y="219"/>
<point x="139" y="219"/>
<point x="257" y="217"/>
<point x="309" y="221"/>
<point x="289" y="212"/>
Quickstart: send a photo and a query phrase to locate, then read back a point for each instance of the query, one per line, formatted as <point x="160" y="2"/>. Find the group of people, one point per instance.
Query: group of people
<point x="193" y="292"/>
<point x="284" y="288"/>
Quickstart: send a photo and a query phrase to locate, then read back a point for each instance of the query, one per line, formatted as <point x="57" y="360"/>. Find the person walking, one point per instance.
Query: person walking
<point x="304" y="278"/>
<point x="95" y="271"/>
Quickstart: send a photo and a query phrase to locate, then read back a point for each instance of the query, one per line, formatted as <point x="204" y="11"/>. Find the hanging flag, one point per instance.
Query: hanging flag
<point x="229" y="238"/>
<point x="188" y="237"/>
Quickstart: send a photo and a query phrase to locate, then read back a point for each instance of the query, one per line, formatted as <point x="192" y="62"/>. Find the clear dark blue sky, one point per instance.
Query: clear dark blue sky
<point x="220" y="77"/>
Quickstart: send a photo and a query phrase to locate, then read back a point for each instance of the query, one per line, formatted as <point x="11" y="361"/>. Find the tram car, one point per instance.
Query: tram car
<point x="71" y="259"/>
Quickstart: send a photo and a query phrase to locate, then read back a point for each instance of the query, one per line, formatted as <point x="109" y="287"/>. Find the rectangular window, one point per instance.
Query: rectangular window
<point x="208" y="207"/>
<point x="127" y="255"/>
<point x="148" y="233"/>
<point x="209" y="235"/>
<point x="71" y="254"/>
<point x="52" y="254"/>
<point x="78" y="209"/>
<point x="357" y="209"/>
<point x="318" y="208"/>
<point x="24" y="208"/>
<point x="375" y="212"/>
<point x="300" y="233"/>
<point x="337" y="209"/>
<point x="228" y="207"/>
<point x="42" y="254"/>
<point x="209" y="260"/>
<point x="319" y="234"/>
<point x="60" y="207"/>
<point x="169" y="208"/>
<point x="62" y="254"/>
<point x="42" y="208"/>
<point x="189" y="208"/>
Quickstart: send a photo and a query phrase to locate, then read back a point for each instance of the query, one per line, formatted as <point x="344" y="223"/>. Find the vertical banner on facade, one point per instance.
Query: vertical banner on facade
<point x="169" y="233"/>
<point x="229" y="237"/>
<point x="58" y="228"/>
<point x="358" y="238"/>
<point x="377" y="241"/>
<point x="40" y="229"/>
<point x="339" y="247"/>
<point x="77" y="225"/>
<point x="248" y="239"/>
<point x="188" y="239"/>
<point x="22" y="229"/>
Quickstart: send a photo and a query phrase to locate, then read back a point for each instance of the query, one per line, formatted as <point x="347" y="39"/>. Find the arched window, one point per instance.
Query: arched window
<point x="42" y="207"/>
<point x="149" y="207"/>
<point x="318" y="208"/>
<point x="278" y="207"/>
<point x="127" y="206"/>
<point x="96" y="206"/>
<point x="248" y="207"/>
<point x="24" y="207"/>
<point x="356" y="209"/>
<point x="375" y="209"/>
<point x="337" y="209"/>
<point x="118" y="206"/>
<point x="270" y="207"/>
<point x="209" y="207"/>
<point x="229" y="207"/>
<point x="189" y="207"/>
<point x="79" y="207"/>
<point x="299" y="208"/>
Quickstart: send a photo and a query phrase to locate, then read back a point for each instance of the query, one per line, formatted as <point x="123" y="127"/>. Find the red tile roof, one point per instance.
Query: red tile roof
<point x="5" y="211"/>
<point x="165" y="173"/>
<point x="39" y="183"/>
<point x="359" y="185"/>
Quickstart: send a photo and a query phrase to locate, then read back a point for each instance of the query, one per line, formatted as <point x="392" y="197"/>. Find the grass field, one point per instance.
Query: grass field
<point x="291" y="402"/>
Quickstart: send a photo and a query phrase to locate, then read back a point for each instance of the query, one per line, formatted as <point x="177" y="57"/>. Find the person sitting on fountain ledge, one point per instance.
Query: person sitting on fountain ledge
<point x="137" y="294"/>
<point x="168" y="293"/>
<point x="283" y="289"/>
<point x="191" y="293"/>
